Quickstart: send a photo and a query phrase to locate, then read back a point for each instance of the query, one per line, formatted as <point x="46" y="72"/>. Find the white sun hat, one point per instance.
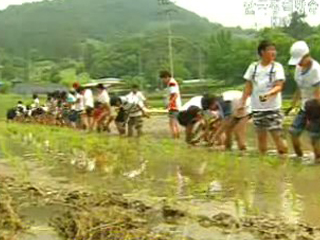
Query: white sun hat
<point x="298" y="51"/>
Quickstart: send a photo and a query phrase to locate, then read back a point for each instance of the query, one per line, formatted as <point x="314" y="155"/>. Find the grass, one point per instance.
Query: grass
<point x="173" y="170"/>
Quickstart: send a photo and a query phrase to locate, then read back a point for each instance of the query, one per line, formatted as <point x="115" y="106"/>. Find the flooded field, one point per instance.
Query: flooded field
<point x="73" y="185"/>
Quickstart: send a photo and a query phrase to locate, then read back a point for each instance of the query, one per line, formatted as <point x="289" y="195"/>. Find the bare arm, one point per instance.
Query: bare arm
<point x="172" y="99"/>
<point x="246" y="93"/>
<point x="296" y="98"/>
<point x="278" y="87"/>
<point x="317" y="93"/>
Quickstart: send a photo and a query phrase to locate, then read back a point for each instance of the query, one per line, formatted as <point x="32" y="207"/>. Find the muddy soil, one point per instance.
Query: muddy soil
<point x="84" y="215"/>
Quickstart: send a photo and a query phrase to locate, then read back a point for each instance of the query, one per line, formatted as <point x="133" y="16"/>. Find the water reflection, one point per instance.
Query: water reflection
<point x="243" y="185"/>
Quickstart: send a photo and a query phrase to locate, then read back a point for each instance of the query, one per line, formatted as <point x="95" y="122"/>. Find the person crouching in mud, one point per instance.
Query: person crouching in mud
<point x="198" y="116"/>
<point x="216" y="120"/>
<point x="130" y="113"/>
<point x="235" y="125"/>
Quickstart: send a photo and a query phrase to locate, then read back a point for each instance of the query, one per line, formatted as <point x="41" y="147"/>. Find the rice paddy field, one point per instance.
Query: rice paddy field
<point x="62" y="184"/>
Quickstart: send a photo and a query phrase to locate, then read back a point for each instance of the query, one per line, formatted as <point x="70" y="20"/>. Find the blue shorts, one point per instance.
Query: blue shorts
<point x="299" y="124"/>
<point x="226" y="108"/>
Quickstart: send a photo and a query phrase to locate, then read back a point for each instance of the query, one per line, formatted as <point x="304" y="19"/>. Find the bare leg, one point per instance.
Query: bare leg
<point x="174" y="127"/>
<point x="189" y="128"/>
<point x="240" y="133"/>
<point x="262" y="141"/>
<point x="228" y="140"/>
<point x="131" y="125"/>
<point x="110" y="120"/>
<point x="316" y="149"/>
<point x="297" y="145"/>
<point x="121" y="128"/>
<point x="85" y="121"/>
<point x="139" y="125"/>
<point x="280" y="142"/>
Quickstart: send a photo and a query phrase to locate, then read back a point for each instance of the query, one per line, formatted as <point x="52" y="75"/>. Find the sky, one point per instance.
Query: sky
<point x="227" y="12"/>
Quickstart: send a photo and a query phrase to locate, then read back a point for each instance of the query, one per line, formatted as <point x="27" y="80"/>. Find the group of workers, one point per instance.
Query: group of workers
<point x="86" y="109"/>
<point x="219" y="118"/>
<point x="206" y="118"/>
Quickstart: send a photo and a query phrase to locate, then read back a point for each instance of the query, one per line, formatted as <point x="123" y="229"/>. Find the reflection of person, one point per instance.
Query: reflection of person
<point x="264" y="83"/>
<point x="174" y="100"/>
<point x="307" y="76"/>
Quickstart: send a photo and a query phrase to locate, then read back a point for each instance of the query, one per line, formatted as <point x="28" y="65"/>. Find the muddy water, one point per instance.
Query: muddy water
<point x="205" y="186"/>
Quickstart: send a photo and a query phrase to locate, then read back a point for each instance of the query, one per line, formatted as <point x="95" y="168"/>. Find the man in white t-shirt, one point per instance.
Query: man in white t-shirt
<point x="174" y="102"/>
<point x="136" y="96"/>
<point x="264" y="83"/>
<point x="307" y="77"/>
<point x="131" y="113"/>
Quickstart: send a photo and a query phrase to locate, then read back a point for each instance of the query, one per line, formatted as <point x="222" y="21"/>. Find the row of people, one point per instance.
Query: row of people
<point x="264" y="83"/>
<point x="219" y="117"/>
<point x="81" y="109"/>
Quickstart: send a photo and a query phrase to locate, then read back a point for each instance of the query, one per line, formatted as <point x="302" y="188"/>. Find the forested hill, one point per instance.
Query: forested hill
<point x="55" y="27"/>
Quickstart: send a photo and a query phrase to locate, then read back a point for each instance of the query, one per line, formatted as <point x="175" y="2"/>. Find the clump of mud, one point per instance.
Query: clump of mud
<point x="10" y="222"/>
<point x="263" y="227"/>
<point x="105" y="216"/>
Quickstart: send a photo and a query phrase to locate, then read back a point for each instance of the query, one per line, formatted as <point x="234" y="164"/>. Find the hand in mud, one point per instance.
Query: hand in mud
<point x="146" y="115"/>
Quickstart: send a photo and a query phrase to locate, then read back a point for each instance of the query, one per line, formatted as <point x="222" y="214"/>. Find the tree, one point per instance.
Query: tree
<point x="298" y="28"/>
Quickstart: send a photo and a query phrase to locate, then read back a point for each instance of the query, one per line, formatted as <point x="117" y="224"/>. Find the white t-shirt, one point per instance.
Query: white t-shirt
<point x="235" y="98"/>
<point x="88" y="98"/>
<point x="307" y="81"/>
<point x="137" y="97"/>
<point x="36" y="102"/>
<point x="132" y="108"/>
<point x="79" y="104"/>
<point x="173" y="88"/>
<point x="195" y="101"/>
<point x="21" y="107"/>
<point x="71" y="98"/>
<point x="261" y="85"/>
<point x="103" y="97"/>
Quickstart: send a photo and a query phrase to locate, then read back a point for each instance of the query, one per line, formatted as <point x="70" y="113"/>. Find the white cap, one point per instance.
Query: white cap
<point x="298" y="51"/>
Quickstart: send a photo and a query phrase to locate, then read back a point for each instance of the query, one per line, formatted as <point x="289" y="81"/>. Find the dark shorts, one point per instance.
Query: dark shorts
<point x="226" y="108"/>
<point x="314" y="130"/>
<point x="89" y="111"/>
<point x="189" y="116"/>
<point x="122" y="116"/>
<point x="173" y="114"/>
<point x="268" y="120"/>
<point x="74" y="116"/>
<point x="299" y="124"/>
